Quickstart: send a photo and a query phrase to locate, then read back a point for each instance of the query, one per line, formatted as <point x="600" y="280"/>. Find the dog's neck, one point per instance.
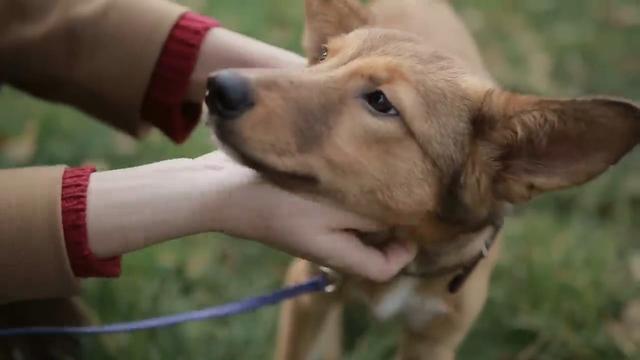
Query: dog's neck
<point x="456" y="257"/>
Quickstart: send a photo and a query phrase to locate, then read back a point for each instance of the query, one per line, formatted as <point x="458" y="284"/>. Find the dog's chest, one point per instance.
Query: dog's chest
<point x="404" y="299"/>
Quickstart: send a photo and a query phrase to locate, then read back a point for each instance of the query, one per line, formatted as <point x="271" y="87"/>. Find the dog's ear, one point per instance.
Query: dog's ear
<point x="538" y="145"/>
<point x="328" y="18"/>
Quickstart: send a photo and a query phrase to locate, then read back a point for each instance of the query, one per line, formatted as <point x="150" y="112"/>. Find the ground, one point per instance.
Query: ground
<point x="567" y="281"/>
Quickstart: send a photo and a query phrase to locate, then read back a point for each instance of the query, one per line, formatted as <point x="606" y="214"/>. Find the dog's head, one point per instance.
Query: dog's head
<point x="392" y="129"/>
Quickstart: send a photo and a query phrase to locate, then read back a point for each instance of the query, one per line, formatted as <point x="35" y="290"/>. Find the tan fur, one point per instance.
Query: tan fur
<point x="439" y="173"/>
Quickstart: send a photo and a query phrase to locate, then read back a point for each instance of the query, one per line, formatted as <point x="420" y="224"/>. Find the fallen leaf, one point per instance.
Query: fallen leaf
<point x="625" y="332"/>
<point x="100" y="164"/>
<point x="22" y="148"/>
<point x="124" y="144"/>
<point x="625" y="16"/>
<point x="197" y="263"/>
<point x="634" y="266"/>
<point x="167" y="258"/>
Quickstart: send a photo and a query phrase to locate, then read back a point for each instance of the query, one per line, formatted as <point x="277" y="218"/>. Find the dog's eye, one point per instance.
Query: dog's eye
<point x="324" y="53"/>
<point x="378" y="101"/>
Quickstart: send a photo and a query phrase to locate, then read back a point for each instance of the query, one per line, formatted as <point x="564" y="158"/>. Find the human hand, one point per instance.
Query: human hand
<point x="244" y="205"/>
<point x="223" y="48"/>
<point x="129" y="209"/>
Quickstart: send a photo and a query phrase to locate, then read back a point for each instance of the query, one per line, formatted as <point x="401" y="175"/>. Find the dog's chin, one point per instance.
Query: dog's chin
<point x="222" y="146"/>
<point x="279" y="177"/>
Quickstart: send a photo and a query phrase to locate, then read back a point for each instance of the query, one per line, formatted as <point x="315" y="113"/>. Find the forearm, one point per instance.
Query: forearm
<point x="133" y="208"/>
<point x="222" y="48"/>
<point x="168" y="56"/>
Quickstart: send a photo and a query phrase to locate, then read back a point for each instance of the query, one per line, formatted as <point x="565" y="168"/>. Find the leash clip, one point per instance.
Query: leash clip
<point x="333" y="278"/>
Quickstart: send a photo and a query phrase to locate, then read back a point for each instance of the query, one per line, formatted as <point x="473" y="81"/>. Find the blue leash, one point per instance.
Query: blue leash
<point x="321" y="283"/>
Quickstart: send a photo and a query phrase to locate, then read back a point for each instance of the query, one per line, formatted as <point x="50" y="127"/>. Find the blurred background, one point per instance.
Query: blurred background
<point x="567" y="284"/>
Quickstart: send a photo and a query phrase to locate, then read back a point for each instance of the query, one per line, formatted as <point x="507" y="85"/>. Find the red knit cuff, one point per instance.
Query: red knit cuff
<point x="75" y="182"/>
<point x="164" y="105"/>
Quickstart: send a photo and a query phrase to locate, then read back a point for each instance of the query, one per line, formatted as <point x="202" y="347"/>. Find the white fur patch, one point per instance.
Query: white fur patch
<point x="396" y="299"/>
<point x="421" y="310"/>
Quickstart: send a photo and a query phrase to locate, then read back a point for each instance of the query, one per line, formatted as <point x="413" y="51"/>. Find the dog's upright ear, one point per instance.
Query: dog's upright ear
<point x="328" y="18"/>
<point x="537" y="145"/>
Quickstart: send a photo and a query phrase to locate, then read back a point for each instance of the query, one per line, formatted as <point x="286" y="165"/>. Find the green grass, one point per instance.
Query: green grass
<point x="564" y="273"/>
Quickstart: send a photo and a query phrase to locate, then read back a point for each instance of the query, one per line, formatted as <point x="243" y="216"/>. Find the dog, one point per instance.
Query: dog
<point x="397" y="119"/>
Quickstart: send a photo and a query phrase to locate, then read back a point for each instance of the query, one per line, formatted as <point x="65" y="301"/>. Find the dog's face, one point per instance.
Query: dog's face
<point x="394" y="130"/>
<point x="348" y="126"/>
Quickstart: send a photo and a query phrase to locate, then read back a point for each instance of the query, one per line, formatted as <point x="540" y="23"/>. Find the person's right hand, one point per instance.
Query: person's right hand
<point x="244" y="205"/>
<point x="129" y="209"/>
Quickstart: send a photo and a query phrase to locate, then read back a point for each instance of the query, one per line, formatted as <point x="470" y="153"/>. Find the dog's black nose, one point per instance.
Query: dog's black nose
<point x="229" y="94"/>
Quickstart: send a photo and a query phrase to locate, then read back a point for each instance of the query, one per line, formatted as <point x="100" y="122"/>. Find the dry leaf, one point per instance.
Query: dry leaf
<point x="626" y="331"/>
<point x="197" y="264"/>
<point x="124" y="144"/>
<point x="634" y="266"/>
<point x="22" y="148"/>
<point x="167" y="258"/>
<point x="625" y="16"/>
<point x="100" y="164"/>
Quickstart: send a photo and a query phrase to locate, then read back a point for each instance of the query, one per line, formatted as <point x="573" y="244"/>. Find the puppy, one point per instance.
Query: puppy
<point x="397" y="119"/>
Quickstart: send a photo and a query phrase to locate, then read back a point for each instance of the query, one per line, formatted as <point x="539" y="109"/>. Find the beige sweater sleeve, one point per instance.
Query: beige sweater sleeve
<point x="33" y="256"/>
<point x="97" y="55"/>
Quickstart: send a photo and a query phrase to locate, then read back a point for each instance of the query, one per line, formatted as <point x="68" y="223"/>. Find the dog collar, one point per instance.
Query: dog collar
<point x="465" y="269"/>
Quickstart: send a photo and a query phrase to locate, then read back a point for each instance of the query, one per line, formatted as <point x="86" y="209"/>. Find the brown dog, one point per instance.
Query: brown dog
<point x="397" y="119"/>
